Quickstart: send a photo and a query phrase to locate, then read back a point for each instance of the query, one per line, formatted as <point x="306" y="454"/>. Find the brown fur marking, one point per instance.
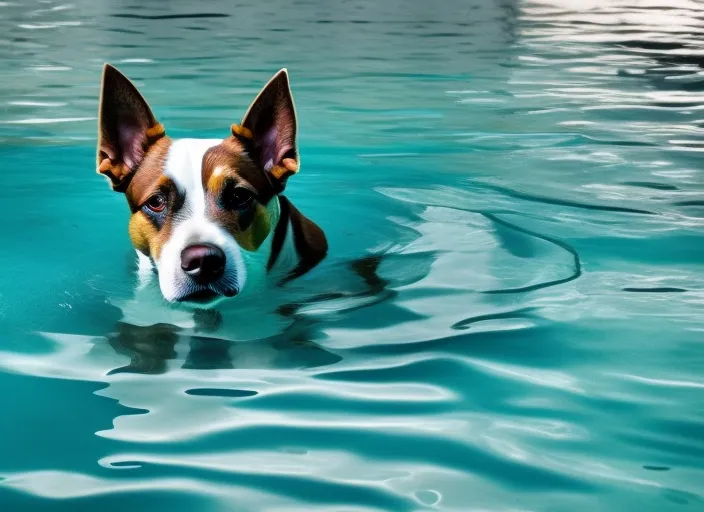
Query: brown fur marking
<point x="241" y="131"/>
<point x="227" y="163"/>
<point x="309" y="240"/>
<point x="126" y="128"/>
<point x="149" y="175"/>
<point x="142" y="232"/>
<point x="147" y="180"/>
<point x="146" y="236"/>
<point x="290" y="164"/>
<point x="116" y="172"/>
<point x="132" y="152"/>
<point x="232" y="160"/>
<point x="270" y="128"/>
<point x="155" y="133"/>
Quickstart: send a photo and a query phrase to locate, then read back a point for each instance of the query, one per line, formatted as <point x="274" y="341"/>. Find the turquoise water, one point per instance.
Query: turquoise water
<point x="511" y="316"/>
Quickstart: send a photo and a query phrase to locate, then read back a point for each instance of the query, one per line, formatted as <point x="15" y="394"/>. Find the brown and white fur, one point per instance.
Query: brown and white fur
<point x="208" y="214"/>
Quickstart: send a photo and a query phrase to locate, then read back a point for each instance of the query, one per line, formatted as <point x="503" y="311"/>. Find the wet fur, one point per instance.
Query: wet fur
<point x="151" y="347"/>
<point x="196" y="176"/>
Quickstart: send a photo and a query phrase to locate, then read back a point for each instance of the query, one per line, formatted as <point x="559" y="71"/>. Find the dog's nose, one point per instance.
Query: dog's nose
<point x="204" y="263"/>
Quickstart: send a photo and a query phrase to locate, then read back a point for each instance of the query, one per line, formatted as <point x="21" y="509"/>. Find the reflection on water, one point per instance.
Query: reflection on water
<point x="511" y="309"/>
<point x="150" y="346"/>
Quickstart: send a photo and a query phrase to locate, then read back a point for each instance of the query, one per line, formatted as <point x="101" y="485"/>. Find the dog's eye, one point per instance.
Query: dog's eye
<point x="156" y="203"/>
<point x="237" y="198"/>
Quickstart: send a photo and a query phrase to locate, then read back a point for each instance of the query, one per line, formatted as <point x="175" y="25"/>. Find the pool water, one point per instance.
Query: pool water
<point x="511" y="316"/>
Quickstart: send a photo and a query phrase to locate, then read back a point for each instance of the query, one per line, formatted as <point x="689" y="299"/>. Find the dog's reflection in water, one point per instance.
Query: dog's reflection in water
<point x="152" y="348"/>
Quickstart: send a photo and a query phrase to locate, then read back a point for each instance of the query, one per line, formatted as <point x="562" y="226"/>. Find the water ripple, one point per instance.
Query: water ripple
<point x="170" y="16"/>
<point x="510" y="311"/>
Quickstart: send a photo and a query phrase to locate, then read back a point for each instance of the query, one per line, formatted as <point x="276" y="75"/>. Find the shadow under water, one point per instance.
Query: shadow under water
<point x="150" y="347"/>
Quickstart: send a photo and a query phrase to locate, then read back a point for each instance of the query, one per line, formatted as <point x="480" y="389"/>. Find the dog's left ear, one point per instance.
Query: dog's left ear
<point x="269" y="131"/>
<point x="126" y="128"/>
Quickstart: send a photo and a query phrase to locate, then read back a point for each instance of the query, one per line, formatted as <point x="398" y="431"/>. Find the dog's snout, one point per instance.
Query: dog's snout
<point x="204" y="263"/>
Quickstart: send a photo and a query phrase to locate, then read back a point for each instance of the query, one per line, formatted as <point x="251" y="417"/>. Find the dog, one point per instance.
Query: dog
<point x="208" y="215"/>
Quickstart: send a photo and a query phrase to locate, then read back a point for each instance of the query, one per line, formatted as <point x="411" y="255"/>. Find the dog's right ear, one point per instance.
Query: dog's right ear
<point x="126" y="128"/>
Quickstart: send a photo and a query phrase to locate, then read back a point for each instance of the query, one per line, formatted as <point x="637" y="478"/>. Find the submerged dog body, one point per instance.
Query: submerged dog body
<point x="208" y="214"/>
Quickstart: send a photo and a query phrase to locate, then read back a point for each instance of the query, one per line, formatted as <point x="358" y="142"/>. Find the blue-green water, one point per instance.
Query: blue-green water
<point x="526" y="179"/>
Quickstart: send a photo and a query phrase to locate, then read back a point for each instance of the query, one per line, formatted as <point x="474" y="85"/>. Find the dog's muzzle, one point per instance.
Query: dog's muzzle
<point x="205" y="267"/>
<point x="204" y="263"/>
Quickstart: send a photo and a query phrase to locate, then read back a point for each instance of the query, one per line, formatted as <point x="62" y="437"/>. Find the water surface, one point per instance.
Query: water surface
<point x="511" y="315"/>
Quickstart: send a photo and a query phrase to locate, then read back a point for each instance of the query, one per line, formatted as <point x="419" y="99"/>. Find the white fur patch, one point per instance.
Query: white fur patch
<point x="184" y="165"/>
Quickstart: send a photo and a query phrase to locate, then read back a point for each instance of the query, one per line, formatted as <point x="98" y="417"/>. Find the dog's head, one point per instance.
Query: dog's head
<point x="201" y="209"/>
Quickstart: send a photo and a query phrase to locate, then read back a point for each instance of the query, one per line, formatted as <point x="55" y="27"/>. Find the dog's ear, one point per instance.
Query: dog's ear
<point x="269" y="130"/>
<point x="126" y="128"/>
